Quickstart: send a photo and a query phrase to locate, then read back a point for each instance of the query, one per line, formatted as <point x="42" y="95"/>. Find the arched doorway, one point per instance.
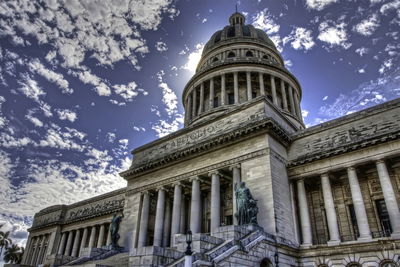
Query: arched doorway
<point x="388" y="263"/>
<point x="265" y="263"/>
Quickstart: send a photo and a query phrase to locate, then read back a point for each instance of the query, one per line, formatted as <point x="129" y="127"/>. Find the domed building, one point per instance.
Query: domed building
<point x="244" y="182"/>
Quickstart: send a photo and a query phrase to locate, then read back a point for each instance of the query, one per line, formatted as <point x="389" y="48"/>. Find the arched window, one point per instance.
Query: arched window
<point x="323" y="265"/>
<point x="231" y="54"/>
<point x="265" y="263"/>
<point x="265" y="57"/>
<point x="215" y="59"/>
<point x="249" y="54"/>
<point x="353" y="264"/>
<point x="388" y="263"/>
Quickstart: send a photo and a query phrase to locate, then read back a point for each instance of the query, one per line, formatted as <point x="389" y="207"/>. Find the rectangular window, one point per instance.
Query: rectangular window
<point x="383" y="217"/>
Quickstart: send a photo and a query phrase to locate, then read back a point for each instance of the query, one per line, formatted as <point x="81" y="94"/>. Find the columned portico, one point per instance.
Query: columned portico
<point x="93" y="233"/>
<point x="69" y="244"/>
<point x="101" y="236"/>
<point x="176" y="211"/>
<point x="75" y="248"/>
<point x="195" y="215"/>
<point x="61" y="248"/>
<point x="215" y="201"/>
<point x="84" y="238"/>
<point x="144" y="218"/>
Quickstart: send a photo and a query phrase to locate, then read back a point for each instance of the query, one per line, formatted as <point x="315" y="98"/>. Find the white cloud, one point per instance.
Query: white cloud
<point x="193" y="58"/>
<point x="362" y="51"/>
<point x="300" y="38"/>
<point x="34" y="120"/>
<point x="100" y="87"/>
<point x="325" y="98"/>
<point x="265" y="21"/>
<point x="392" y="5"/>
<point x="386" y="65"/>
<point x="139" y="129"/>
<point x="361" y="70"/>
<point x="128" y="91"/>
<point x="169" y="98"/>
<point x="163" y="127"/>
<point x="161" y="46"/>
<point x="204" y="20"/>
<point x="30" y="88"/>
<point x="319" y="4"/>
<point x="304" y="113"/>
<point x="66" y="114"/>
<point x="334" y="34"/>
<point x="36" y="66"/>
<point x="111" y="137"/>
<point x="367" y="26"/>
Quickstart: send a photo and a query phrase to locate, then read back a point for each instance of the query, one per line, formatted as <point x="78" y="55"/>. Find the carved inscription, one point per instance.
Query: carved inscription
<point x="95" y="208"/>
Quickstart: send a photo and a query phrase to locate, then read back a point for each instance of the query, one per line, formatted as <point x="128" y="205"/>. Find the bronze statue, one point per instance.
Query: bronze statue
<point x="246" y="205"/>
<point x="114" y="228"/>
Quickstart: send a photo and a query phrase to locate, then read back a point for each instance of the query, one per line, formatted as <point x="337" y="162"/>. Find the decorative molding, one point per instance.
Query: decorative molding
<point x="194" y="174"/>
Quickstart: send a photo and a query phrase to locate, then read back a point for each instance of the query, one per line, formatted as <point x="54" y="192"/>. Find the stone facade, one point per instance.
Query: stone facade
<point x="327" y="195"/>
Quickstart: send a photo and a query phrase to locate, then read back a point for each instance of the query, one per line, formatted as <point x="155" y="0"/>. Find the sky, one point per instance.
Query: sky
<point x="83" y="82"/>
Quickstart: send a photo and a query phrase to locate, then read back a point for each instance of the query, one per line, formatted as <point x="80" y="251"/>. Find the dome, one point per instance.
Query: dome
<point x="238" y="31"/>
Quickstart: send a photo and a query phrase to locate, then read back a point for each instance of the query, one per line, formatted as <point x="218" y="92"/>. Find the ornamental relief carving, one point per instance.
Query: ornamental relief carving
<point x="95" y="209"/>
<point x="374" y="186"/>
<point x="47" y="219"/>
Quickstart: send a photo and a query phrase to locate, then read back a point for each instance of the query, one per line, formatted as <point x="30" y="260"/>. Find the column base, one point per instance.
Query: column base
<point x="364" y="238"/>
<point x="333" y="242"/>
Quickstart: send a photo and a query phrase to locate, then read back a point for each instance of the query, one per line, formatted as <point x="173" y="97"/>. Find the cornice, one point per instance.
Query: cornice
<point x="263" y="124"/>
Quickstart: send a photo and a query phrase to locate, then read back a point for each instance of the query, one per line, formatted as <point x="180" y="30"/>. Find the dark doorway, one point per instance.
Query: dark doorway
<point x="265" y="263"/>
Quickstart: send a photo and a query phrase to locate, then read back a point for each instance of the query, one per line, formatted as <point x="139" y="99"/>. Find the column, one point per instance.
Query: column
<point x="84" y="239"/>
<point x="292" y="106"/>
<point x="184" y="210"/>
<point x="144" y="220"/>
<point x="68" y="247"/>
<point x="40" y="250"/>
<point x="189" y="108"/>
<point x="195" y="207"/>
<point x="223" y="90"/>
<point x="167" y="224"/>
<point x="236" y="87"/>
<point x="92" y="238"/>
<point x="248" y="79"/>
<point x="273" y="89"/>
<point x="211" y="99"/>
<point x="101" y="236"/>
<point x="235" y="183"/>
<point x="215" y="201"/>
<point x="176" y="212"/>
<point x="108" y="241"/>
<point x="284" y="97"/>
<point x="390" y="197"/>
<point x="294" y="213"/>
<point x="61" y="248"/>
<point x="304" y="214"/>
<point x="297" y="105"/>
<point x="359" y="207"/>
<point x="194" y="96"/>
<point x="201" y="106"/>
<point x="28" y="250"/>
<point x="158" y="228"/>
<point x="36" y="251"/>
<point x="261" y="79"/>
<point x="330" y="210"/>
<point x="75" y="248"/>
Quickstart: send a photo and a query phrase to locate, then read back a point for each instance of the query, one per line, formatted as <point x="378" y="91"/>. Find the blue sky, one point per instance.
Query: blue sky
<point x="84" y="82"/>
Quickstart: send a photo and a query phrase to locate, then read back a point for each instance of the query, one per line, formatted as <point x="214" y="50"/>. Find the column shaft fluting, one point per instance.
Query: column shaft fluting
<point x="84" y="238"/>
<point x="92" y="239"/>
<point x="235" y="183"/>
<point x="236" y="87"/>
<point x="249" y="90"/>
<point x="223" y="89"/>
<point x="144" y="220"/>
<point x="68" y="247"/>
<point x="389" y="196"/>
<point x="75" y="248"/>
<point x="304" y="214"/>
<point x="211" y="100"/>
<point x="292" y="105"/>
<point x="284" y="97"/>
<point x="195" y="207"/>
<point x="330" y="209"/>
<point x="159" y="224"/>
<point x="273" y="90"/>
<point x="61" y="248"/>
<point x="176" y="212"/>
<point x="167" y="224"/>
<point x="201" y="104"/>
<point x="358" y="203"/>
<point x="101" y="236"/>
<point x="261" y="80"/>
<point x="215" y="202"/>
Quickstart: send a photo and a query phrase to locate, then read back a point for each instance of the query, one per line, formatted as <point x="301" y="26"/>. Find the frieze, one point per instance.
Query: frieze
<point x="48" y="218"/>
<point x="95" y="209"/>
<point x="207" y="169"/>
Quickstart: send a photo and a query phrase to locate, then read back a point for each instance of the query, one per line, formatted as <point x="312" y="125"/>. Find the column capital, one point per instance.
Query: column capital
<point x="380" y="161"/>
<point x="215" y="172"/>
<point x="236" y="166"/>
<point x="177" y="183"/>
<point x="161" y="188"/>
<point x="194" y="178"/>
<point x="351" y="168"/>
<point x="325" y="174"/>
<point x="146" y="192"/>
